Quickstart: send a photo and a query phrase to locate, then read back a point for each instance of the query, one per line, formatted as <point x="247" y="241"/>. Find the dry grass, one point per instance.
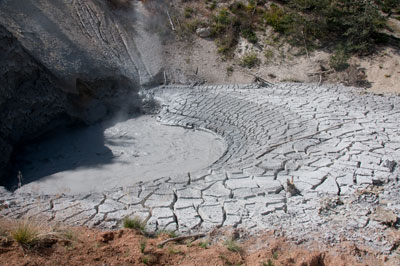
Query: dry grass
<point x="26" y="233"/>
<point x="29" y="233"/>
<point x="134" y="223"/>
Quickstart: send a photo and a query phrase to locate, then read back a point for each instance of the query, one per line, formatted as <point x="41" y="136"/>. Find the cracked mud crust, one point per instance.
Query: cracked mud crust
<point x="338" y="146"/>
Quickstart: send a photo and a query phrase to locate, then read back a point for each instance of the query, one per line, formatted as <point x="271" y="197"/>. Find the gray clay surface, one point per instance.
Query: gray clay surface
<point x="340" y="146"/>
<point x="114" y="154"/>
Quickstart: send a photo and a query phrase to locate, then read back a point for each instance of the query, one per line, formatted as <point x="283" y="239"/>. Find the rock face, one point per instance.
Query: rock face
<point x="64" y="61"/>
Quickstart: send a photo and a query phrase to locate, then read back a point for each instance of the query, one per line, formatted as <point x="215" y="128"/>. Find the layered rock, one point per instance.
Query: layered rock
<point x="65" y="61"/>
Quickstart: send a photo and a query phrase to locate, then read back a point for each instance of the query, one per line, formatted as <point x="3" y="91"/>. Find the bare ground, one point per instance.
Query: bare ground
<point x="194" y="58"/>
<point x="85" y="246"/>
<point x="378" y="73"/>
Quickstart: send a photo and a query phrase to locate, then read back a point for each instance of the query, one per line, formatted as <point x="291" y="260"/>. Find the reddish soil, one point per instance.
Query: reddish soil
<point x="84" y="246"/>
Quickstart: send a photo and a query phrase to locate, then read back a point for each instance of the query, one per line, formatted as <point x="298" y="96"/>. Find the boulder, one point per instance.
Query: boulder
<point x="203" y="32"/>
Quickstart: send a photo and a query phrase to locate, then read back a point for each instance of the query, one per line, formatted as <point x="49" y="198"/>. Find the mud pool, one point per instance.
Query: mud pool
<point x="109" y="155"/>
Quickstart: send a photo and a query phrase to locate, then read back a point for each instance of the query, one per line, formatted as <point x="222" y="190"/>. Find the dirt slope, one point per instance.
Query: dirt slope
<point x="82" y="246"/>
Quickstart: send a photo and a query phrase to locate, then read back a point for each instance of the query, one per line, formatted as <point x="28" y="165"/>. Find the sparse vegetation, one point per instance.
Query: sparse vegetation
<point x="188" y="12"/>
<point x="143" y="244"/>
<point x="171" y="234"/>
<point x="338" y="60"/>
<point x="269" y="54"/>
<point x="269" y="263"/>
<point x="51" y="248"/>
<point x="354" y="25"/>
<point x="173" y="250"/>
<point x="275" y="255"/>
<point x="134" y="223"/>
<point x="149" y="260"/>
<point x="250" y="35"/>
<point x="203" y="244"/>
<point x="232" y="245"/>
<point x="229" y="70"/>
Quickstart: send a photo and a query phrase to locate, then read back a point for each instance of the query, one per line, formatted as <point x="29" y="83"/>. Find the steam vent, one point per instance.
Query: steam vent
<point x="317" y="161"/>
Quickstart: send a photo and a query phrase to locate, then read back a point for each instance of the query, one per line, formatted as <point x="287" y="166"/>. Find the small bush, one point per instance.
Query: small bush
<point x="338" y="60"/>
<point x="135" y="223"/>
<point x="226" y="43"/>
<point x="188" y="12"/>
<point x="213" y="5"/>
<point x="188" y="27"/>
<point x="249" y="35"/>
<point x="278" y="19"/>
<point x="229" y="70"/>
<point x="250" y="60"/>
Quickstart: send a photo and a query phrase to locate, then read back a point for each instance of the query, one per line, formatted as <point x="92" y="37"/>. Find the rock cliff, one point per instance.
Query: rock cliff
<point x="68" y="61"/>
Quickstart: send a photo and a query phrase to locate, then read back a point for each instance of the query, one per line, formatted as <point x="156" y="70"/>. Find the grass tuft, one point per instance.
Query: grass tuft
<point x="134" y="223"/>
<point x="26" y="233"/>
<point x="203" y="244"/>
<point x="143" y="244"/>
<point x="232" y="245"/>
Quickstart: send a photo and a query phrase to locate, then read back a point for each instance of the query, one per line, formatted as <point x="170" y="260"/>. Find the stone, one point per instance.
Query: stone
<point x="211" y="213"/>
<point x="329" y="186"/>
<point x="156" y="200"/>
<point x="203" y="32"/>
<point x="385" y="216"/>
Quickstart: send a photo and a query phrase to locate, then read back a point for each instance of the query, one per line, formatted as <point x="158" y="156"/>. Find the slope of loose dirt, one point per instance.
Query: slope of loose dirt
<point x="85" y="246"/>
<point x="194" y="58"/>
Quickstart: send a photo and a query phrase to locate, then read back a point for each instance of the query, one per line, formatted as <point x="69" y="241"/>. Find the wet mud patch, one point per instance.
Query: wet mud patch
<point x="114" y="154"/>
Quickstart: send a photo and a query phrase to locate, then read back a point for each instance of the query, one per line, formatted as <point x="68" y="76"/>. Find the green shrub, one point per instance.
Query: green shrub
<point x="188" y="12"/>
<point x="250" y="60"/>
<point x="278" y="19"/>
<point x="338" y="60"/>
<point x="354" y="24"/>
<point x="212" y="5"/>
<point x="229" y="70"/>
<point x="249" y="35"/>
<point x="226" y="43"/>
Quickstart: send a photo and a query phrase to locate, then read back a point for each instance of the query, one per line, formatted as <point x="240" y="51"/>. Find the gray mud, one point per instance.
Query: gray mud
<point x="105" y="156"/>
